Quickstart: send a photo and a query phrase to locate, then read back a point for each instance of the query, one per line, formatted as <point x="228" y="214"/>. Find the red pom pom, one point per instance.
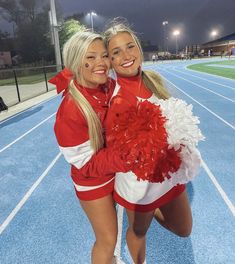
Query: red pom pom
<point x="141" y="138"/>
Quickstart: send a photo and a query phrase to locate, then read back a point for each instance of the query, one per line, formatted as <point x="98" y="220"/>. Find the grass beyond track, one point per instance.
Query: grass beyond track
<point x="31" y="79"/>
<point x="221" y="71"/>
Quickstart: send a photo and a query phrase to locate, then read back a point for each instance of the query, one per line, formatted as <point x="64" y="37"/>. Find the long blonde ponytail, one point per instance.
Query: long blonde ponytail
<point x="153" y="81"/>
<point x="73" y="54"/>
<point x="94" y="125"/>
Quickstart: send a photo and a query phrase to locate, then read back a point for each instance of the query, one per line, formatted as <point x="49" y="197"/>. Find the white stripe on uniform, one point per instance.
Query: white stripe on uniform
<point x="139" y="192"/>
<point x="79" y="155"/>
<point x="81" y="188"/>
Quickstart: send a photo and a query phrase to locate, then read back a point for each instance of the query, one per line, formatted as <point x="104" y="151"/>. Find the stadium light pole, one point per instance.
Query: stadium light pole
<point x="176" y="33"/>
<point x="91" y="18"/>
<point x="164" y="23"/>
<point x="55" y="34"/>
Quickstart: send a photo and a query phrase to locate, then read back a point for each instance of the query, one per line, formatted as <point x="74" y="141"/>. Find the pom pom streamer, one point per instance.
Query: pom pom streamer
<point x="190" y="163"/>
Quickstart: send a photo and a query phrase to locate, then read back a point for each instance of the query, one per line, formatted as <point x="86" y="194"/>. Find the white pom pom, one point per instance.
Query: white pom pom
<point x="181" y="125"/>
<point x="191" y="161"/>
<point x="183" y="132"/>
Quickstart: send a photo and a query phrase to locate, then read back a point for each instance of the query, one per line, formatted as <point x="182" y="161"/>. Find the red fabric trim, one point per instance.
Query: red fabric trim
<point x="97" y="193"/>
<point x="170" y="195"/>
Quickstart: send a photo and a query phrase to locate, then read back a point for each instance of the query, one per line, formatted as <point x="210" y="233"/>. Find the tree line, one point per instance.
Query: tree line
<point x="31" y="37"/>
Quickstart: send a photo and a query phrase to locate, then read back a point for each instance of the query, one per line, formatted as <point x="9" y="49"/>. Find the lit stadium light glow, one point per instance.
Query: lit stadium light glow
<point x="214" y="33"/>
<point x="176" y="33"/>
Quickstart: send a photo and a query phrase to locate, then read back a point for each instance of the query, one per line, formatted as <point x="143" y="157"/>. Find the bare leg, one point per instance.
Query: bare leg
<point x="103" y="218"/>
<point x="176" y="215"/>
<point x="136" y="234"/>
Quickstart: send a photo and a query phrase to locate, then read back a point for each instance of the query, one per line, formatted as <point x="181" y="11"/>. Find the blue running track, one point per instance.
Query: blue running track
<point x="41" y="220"/>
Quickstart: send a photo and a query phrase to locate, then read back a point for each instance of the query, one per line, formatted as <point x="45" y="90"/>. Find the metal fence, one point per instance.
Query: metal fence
<point x="20" y="84"/>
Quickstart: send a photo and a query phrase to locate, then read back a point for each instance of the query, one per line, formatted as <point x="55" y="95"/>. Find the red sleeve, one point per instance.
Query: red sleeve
<point x="104" y="162"/>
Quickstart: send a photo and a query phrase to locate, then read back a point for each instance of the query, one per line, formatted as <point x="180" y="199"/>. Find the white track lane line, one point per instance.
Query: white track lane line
<point x="31" y="107"/>
<point x="231" y="100"/>
<point x="184" y="72"/>
<point x="26" y="133"/>
<point x="117" y="252"/>
<point x="219" y="188"/>
<point x="27" y="195"/>
<point x="214" y="114"/>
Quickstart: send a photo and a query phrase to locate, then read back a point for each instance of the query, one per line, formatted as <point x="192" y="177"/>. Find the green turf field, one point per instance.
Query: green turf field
<point x="224" y="72"/>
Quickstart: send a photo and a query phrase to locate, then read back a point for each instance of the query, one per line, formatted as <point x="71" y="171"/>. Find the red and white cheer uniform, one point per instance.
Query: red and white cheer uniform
<point x="92" y="173"/>
<point x="133" y="194"/>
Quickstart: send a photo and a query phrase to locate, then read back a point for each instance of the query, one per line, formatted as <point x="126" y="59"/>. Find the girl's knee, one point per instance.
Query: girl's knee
<point x="108" y="241"/>
<point x="184" y="231"/>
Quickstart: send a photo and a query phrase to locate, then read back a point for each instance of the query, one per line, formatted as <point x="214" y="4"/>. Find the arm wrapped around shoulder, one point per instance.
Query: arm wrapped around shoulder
<point x="158" y="141"/>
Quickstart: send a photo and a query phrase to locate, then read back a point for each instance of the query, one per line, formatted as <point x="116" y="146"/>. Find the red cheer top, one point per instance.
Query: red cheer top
<point x="131" y="193"/>
<point x="135" y="86"/>
<point x="87" y="167"/>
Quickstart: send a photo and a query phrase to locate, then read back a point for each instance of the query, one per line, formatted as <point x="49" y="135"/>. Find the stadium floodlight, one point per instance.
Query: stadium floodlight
<point x="165" y="44"/>
<point x="214" y="33"/>
<point x="176" y="33"/>
<point x="55" y="34"/>
<point x="91" y="14"/>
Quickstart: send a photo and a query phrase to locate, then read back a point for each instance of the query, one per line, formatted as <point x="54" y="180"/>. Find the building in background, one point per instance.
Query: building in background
<point x="221" y="46"/>
<point x="192" y="50"/>
<point x="5" y="59"/>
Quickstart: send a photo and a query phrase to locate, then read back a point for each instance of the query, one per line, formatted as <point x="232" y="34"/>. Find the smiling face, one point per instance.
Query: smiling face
<point x="95" y="65"/>
<point x="124" y="54"/>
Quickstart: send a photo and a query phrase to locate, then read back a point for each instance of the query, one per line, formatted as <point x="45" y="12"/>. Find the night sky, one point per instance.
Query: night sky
<point x="194" y="18"/>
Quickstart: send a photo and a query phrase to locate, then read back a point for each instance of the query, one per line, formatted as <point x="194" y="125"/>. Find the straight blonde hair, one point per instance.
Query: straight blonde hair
<point x="74" y="52"/>
<point x="152" y="80"/>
